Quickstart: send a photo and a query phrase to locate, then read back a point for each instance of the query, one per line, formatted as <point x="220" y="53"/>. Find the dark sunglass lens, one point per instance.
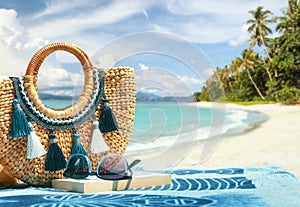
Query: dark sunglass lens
<point x="78" y="167"/>
<point x="112" y="167"/>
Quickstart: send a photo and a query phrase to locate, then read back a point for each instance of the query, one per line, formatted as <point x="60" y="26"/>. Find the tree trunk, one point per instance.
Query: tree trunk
<point x="257" y="89"/>
<point x="265" y="48"/>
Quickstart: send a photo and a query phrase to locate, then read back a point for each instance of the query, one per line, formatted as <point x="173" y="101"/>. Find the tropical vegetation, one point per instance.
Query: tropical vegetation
<point x="269" y="69"/>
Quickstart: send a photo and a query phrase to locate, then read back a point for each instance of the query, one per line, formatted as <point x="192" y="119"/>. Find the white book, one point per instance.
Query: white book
<point x="93" y="184"/>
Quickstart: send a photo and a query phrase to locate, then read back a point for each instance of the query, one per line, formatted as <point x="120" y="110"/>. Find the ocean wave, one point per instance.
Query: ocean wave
<point x="236" y="121"/>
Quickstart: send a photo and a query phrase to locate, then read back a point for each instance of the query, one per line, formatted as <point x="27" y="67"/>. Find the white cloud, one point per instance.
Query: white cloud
<point x="65" y="57"/>
<point x="58" y="81"/>
<point x="15" y="46"/>
<point x="195" y="20"/>
<point x="209" y="72"/>
<point x="197" y="33"/>
<point x="190" y="80"/>
<point x="165" y="83"/>
<point x="143" y="66"/>
<point x="82" y="20"/>
<point x="9" y="30"/>
<point x="226" y="9"/>
<point x="242" y="38"/>
<point x="105" y="61"/>
<point x="56" y="77"/>
<point x="36" y="43"/>
<point x="214" y="22"/>
<point x="60" y="7"/>
<point x="194" y="7"/>
<point x="13" y="34"/>
<point x="11" y="64"/>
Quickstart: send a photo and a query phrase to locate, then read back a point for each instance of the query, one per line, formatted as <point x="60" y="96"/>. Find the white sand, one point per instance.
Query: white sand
<point x="275" y="142"/>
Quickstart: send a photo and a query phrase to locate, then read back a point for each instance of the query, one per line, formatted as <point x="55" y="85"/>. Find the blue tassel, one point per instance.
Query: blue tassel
<point x="107" y="121"/>
<point x="19" y="123"/>
<point x="55" y="159"/>
<point x="77" y="146"/>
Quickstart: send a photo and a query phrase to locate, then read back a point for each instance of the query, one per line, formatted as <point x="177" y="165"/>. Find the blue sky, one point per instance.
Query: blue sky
<point x="216" y="28"/>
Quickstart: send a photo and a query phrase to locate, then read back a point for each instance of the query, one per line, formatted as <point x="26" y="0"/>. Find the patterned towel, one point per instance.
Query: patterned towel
<point x="193" y="186"/>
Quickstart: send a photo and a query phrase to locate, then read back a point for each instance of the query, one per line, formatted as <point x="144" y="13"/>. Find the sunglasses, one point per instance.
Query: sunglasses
<point x="110" y="167"/>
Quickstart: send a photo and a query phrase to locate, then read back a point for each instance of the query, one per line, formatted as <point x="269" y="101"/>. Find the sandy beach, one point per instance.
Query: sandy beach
<point x="274" y="142"/>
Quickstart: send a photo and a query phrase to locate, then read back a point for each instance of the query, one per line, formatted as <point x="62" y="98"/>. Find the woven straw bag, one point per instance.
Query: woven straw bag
<point x="71" y="128"/>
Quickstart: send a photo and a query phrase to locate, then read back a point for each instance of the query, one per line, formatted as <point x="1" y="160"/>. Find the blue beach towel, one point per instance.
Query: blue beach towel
<point x="267" y="186"/>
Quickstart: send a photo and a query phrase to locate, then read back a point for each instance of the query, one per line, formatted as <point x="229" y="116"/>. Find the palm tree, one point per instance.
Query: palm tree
<point x="259" y="30"/>
<point x="291" y="19"/>
<point x="247" y="63"/>
<point x="259" y="26"/>
<point x="234" y="69"/>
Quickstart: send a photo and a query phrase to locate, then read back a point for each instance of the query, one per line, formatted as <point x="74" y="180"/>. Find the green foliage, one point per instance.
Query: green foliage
<point x="214" y="87"/>
<point x="204" y="96"/>
<point x="197" y="96"/>
<point x="252" y="77"/>
<point x="286" y="59"/>
<point x="291" y="19"/>
<point x="213" y="95"/>
<point x="287" y="95"/>
<point x="241" y="90"/>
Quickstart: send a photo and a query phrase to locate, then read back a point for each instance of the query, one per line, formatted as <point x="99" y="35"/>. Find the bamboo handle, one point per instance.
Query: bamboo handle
<point x="35" y="63"/>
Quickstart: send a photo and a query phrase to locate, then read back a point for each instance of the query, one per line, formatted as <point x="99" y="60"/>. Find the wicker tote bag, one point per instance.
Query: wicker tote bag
<point x="36" y="140"/>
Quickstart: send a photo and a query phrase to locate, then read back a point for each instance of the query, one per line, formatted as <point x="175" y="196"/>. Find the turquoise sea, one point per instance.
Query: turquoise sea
<point x="160" y="124"/>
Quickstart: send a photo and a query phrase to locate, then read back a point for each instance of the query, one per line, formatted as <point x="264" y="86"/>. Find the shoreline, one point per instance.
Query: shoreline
<point x="274" y="142"/>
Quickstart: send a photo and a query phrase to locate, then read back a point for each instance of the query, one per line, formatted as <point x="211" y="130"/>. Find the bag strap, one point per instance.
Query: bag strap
<point x="30" y="80"/>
